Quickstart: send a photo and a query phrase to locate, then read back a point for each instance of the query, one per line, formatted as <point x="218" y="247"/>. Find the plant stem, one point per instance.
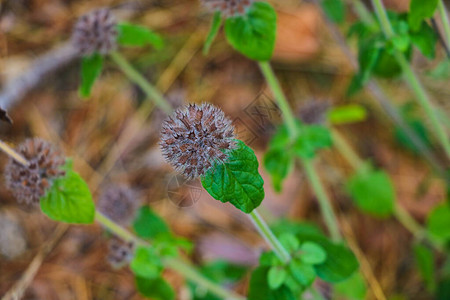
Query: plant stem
<point x="324" y="202"/>
<point x="268" y="235"/>
<point x="173" y="263"/>
<point x="140" y="80"/>
<point x="13" y="154"/>
<point x="274" y="85"/>
<point x="412" y="80"/>
<point x="346" y="150"/>
<point x="445" y="21"/>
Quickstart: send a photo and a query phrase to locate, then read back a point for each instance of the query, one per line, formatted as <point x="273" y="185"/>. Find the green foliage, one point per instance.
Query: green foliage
<point x="425" y="39"/>
<point x="259" y="288"/>
<point x="213" y="31"/>
<point x="353" y="288"/>
<point x="419" y="10"/>
<point x="253" y="34"/>
<point x="311" y="138"/>
<point x="312" y="253"/>
<point x="276" y="277"/>
<point x="425" y="263"/>
<point x="157" y="288"/>
<point x="91" y="68"/>
<point x="237" y="181"/>
<point x="346" y="114"/>
<point x="69" y="199"/>
<point x="149" y="225"/>
<point x="334" y="9"/>
<point x="302" y="272"/>
<point x="438" y="222"/>
<point x="135" y="35"/>
<point x="372" y="191"/>
<point x="146" y="263"/>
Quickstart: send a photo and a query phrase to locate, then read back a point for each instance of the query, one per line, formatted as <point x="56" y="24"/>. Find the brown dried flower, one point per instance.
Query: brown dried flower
<point x="120" y="253"/>
<point x="119" y="203"/>
<point x="196" y="137"/>
<point x="314" y="112"/>
<point x="29" y="183"/>
<point x="228" y="8"/>
<point x="95" y="32"/>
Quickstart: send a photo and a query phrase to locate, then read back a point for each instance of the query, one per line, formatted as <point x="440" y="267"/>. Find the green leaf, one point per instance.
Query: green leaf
<point x="425" y="262"/>
<point x="260" y="290"/>
<point x="279" y="163"/>
<point x="276" y="277"/>
<point x="310" y="139"/>
<point x="213" y="31"/>
<point x="69" y="200"/>
<point x="289" y="242"/>
<point x="439" y="222"/>
<point x="354" y="288"/>
<point x="311" y="253"/>
<point x="419" y="10"/>
<point x="237" y="181"/>
<point x="156" y="289"/>
<point x="91" y="68"/>
<point x="425" y="40"/>
<point x="302" y="273"/>
<point x="346" y="114"/>
<point x="149" y="225"/>
<point x="372" y="191"/>
<point x="335" y="10"/>
<point x="146" y="263"/>
<point x="253" y="34"/>
<point x="135" y="35"/>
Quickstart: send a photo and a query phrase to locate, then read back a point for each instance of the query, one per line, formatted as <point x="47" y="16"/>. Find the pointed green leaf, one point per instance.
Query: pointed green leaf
<point x="419" y="10"/>
<point x="425" y="263"/>
<point x="149" y="225"/>
<point x="91" y="68"/>
<point x="237" y="181"/>
<point x="276" y="277"/>
<point x="213" y="31"/>
<point x="425" y="39"/>
<point x="136" y="35"/>
<point x="438" y="222"/>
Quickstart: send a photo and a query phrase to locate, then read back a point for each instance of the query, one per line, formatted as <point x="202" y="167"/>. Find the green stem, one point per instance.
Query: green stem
<point x="176" y="264"/>
<point x="274" y="85"/>
<point x="412" y="80"/>
<point x="268" y="235"/>
<point x="140" y="80"/>
<point x="445" y="21"/>
<point x="324" y="202"/>
<point x="346" y="150"/>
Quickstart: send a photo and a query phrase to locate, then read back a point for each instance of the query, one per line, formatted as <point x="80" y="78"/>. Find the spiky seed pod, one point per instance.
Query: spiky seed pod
<point x="120" y="253"/>
<point x="228" y="8"/>
<point x="314" y="112"/>
<point x="95" y="32"/>
<point x="196" y="137"/>
<point x="29" y="184"/>
<point x="119" y="203"/>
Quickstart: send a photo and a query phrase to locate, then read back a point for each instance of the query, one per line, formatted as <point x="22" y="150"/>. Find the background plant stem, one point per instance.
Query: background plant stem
<point x="445" y="21"/>
<point x="411" y="78"/>
<point x="268" y="235"/>
<point x="141" y="81"/>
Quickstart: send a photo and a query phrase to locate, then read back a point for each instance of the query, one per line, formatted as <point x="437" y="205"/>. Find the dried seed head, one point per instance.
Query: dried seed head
<point x="119" y="203"/>
<point x="314" y="112"/>
<point x="120" y="253"/>
<point x="196" y="137"/>
<point x="228" y="8"/>
<point x="29" y="184"/>
<point x="95" y="32"/>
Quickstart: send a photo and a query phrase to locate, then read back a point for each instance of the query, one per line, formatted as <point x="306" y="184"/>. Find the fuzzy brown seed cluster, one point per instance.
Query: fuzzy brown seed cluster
<point x="228" y="8"/>
<point x="120" y="253"/>
<point x="314" y="112"/>
<point x="95" y="32"/>
<point x="196" y="137"/>
<point x="29" y="184"/>
<point x="119" y="203"/>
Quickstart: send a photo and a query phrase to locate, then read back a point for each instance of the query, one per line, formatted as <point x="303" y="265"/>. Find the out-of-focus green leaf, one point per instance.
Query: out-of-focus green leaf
<point x="136" y="35"/>
<point x="91" y="68"/>
<point x="335" y="10"/>
<point x="149" y="225"/>
<point x="213" y="31"/>
<point x="438" y="222"/>
<point x="347" y="114"/>
<point x="419" y="10"/>
<point x="156" y="289"/>
<point x="425" y="263"/>
<point x="354" y="288"/>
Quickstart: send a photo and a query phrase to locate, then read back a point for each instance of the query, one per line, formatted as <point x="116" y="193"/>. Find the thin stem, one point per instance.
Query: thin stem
<point x="445" y="21"/>
<point x="268" y="235"/>
<point x="412" y="80"/>
<point x="13" y="154"/>
<point x="346" y="150"/>
<point x="140" y="80"/>
<point x="173" y="263"/>
<point x="274" y="85"/>
<point x="324" y="202"/>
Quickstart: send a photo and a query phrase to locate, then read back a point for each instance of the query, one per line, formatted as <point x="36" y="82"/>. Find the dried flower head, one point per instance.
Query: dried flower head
<point x="196" y="137"/>
<point x="119" y="203"/>
<point x="120" y="253"/>
<point x="95" y="32"/>
<point x="314" y="112"/>
<point x="228" y="8"/>
<point x="29" y="183"/>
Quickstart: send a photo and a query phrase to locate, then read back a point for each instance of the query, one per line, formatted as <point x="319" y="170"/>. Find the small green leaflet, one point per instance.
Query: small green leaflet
<point x="425" y="263"/>
<point x="312" y="253"/>
<point x="149" y="225"/>
<point x="135" y="35"/>
<point x="438" y="222"/>
<point x="419" y="10"/>
<point x="335" y="10"/>
<point x="353" y="288"/>
<point x="156" y="289"/>
<point x="425" y="39"/>
<point x="253" y="34"/>
<point x="303" y="273"/>
<point x="276" y="277"/>
<point x="69" y="200"/>
<point x="237" y="181"/>
<point x="91" y="68"/>
<point x="372" y="191"/>
<point x="347" y="114"/>
<point x="146" y="263"/>
<point x="259" y="288"/>
<point x="311" y="138"/>
<point x="214" y="30"/>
